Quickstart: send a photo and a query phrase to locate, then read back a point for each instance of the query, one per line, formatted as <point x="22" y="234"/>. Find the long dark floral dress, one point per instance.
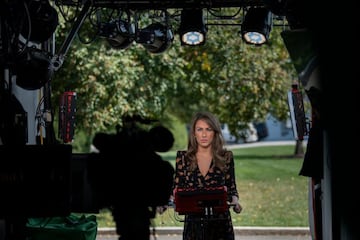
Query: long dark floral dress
<point x="219" y="227"/>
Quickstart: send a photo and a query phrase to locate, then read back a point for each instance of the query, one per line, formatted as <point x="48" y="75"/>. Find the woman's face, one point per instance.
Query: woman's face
<point x="204" y="134"/>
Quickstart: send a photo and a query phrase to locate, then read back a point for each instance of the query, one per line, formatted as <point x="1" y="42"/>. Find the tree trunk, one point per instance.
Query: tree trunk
<point x="299" y="149"/>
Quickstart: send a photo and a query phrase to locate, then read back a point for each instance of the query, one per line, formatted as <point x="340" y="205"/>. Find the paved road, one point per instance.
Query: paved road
<point x="242" y="233"/>
<point x="264" y="143"/>
<point x="237" y="237"/>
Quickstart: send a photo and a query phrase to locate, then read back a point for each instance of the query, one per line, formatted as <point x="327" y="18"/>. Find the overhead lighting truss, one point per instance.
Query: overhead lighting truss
<point x="121" y="30"/>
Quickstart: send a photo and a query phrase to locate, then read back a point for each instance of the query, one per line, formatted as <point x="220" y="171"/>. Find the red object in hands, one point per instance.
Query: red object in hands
<point x="201" y="201"/>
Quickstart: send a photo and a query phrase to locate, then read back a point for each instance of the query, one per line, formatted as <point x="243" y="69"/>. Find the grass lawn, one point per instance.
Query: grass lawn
<point x="271" y="190"/>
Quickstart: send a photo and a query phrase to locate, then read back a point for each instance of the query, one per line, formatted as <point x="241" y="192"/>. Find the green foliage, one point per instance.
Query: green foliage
<point x="180" y="134"/>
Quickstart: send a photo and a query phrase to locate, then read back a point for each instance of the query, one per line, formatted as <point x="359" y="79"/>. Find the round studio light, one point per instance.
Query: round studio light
<point x="254" y="38"/>
<point x="33" y="69"/>
<point x="122" y="34"/>
<point x="156" y="37"/>
<point x="192" y="38"/>
<point x="43" y="21"/>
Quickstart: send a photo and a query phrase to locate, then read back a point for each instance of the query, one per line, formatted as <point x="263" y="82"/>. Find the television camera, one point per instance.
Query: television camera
<point x="50" y="180"/>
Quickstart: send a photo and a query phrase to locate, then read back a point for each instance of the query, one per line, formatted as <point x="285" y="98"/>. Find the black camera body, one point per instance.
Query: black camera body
<point x="50" y="180"/>
<point x="129" y="161"/>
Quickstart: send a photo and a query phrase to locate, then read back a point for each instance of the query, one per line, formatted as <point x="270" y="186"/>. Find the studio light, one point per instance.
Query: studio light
<point x="33" y="68"/>
<point x="256" y="26"/>
<point x="41" y="22"/>
<point x="119" y="34"/>
<point x="156" y="37"/>
<point x="192" y="28"/>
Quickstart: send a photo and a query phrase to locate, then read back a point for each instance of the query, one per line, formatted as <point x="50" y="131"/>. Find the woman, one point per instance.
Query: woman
<point x="206" y="164"/>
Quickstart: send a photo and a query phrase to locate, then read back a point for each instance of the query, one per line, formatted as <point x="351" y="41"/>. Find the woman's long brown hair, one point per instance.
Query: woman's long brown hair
<point x="217" y="145"/>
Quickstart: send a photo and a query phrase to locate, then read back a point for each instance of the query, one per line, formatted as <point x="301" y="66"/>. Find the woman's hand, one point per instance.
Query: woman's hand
<point x="236" y="205"/>
<point x="162" y="209"/>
